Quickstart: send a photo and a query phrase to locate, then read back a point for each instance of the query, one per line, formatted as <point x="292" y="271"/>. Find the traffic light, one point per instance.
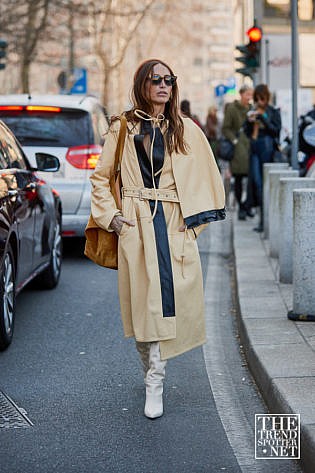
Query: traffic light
<point x="250" y="53"/>
<point x="3" y="52"/>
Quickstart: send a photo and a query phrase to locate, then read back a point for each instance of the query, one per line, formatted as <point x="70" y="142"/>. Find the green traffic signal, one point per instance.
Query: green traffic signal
<point x="251" y="54"/>
<point x="245" y="71"/>
<point x="3" y="52"/>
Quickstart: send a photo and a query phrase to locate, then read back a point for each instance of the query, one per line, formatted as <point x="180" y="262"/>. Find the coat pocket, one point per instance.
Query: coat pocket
<point x="185" y="254"/>
<point x="124" y="229"/>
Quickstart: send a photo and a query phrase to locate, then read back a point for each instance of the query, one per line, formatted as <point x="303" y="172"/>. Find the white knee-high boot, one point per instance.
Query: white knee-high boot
<point x="154" y="383"/>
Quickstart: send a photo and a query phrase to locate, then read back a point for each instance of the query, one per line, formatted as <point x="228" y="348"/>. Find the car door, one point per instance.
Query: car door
<point x="41" y="206"/>
<point x="21" y="189"/>
<point x="7" y="199"/>
<point x="44" y="209"/>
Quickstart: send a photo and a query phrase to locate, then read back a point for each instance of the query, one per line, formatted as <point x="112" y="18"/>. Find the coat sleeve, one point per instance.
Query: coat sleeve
<point x="103" y="206"/>
<point x="199" y="222"/>
<point x="272" y="122"/>
<point x="200" y="186"/>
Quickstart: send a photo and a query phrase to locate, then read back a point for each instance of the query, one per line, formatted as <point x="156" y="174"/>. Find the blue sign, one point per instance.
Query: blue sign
<point x="220" y="90"/>
<point x="229" y="87"/>
<point x="80" y="81"/>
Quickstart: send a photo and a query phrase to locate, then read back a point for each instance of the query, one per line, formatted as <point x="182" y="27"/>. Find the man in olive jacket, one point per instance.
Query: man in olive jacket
<point x="234" y="117"/>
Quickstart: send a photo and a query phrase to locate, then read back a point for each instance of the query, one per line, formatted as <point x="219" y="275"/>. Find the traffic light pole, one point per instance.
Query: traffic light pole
<point x="294" y="76"/>
<point x="267" y="63"/>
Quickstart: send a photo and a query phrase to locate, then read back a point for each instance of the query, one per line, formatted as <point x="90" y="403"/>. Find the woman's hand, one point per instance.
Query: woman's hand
<point x="252" y="116"/>
<point x="118" y="221"/>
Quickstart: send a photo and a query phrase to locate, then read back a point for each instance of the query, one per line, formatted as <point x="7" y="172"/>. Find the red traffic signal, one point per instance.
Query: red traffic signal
<point x="254" y="34"/>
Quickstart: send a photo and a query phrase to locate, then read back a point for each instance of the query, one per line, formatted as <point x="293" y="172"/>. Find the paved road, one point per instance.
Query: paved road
<point x="81" y="385"/>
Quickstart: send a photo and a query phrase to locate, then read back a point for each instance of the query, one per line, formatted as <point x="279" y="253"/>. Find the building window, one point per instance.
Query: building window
<point x="306" y="10"/>
<point x="281" y="9"/>
<point x="276" y="8"/>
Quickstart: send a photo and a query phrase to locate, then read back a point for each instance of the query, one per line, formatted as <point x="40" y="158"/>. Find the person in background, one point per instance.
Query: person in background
<point x="211" y="128"/>
<point x="223" y="165"/>
<point x="234" y="117"/>
<point x="262" y="126"/>
<point x="186" y="112"/>
<point x="171" y="190"/>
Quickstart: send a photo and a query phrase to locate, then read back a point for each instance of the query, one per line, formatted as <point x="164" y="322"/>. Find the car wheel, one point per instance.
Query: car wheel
<point x="50" y="276"/>
<point x="7" y="299"/>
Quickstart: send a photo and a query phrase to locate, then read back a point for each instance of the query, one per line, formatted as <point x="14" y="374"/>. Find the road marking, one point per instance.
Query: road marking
<point x="238" y="430"/>
<point x="12" y="416"/>
<point x="225" y="388"/>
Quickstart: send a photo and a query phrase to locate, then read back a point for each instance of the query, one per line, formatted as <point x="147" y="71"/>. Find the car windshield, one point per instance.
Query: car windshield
<point x="49" y="129"/>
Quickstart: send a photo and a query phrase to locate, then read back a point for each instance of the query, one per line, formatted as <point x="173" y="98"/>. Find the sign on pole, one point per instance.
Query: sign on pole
<point x="80" y="81"/>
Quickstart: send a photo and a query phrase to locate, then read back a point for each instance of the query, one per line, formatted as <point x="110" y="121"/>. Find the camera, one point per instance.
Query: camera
<point x="251" y="113"/>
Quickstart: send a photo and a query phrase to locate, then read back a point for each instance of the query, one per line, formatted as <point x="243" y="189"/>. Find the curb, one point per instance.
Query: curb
<point x="280" y="353"/>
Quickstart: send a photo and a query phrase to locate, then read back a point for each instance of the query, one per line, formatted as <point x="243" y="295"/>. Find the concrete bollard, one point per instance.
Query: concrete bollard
<point x="303" y="255"/>
<point x="274" y="214"/>
<point x="287" y="185"/>
<point x="267" y="168"/>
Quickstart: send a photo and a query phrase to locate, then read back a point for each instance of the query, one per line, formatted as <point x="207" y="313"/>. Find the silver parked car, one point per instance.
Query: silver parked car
<point x="70" y="127"/>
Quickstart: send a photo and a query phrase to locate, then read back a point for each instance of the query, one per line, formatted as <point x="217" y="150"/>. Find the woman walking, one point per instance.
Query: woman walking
<point x="212" y="128"/>
<point x="171" y="189"/>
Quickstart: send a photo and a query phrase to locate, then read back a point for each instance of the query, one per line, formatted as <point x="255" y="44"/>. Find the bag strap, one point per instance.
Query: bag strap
<point x="120" y="143"/>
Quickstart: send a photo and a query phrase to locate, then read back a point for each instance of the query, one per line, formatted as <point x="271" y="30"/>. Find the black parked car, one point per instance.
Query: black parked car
<point x="30" y="227"/>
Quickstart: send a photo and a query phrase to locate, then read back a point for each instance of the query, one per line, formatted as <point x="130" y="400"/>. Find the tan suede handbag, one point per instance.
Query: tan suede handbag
<point x="101" y="246"/>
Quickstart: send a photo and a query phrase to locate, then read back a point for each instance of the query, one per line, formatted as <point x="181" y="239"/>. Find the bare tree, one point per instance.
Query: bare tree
<point x="112" y="30"/>
<point x="36" y="18"/>
<point x="107" y="37"/>
<point x="24" y="21"/>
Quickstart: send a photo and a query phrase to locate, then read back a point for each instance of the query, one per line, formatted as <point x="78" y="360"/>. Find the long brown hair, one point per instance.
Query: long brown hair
<point x="175" y="132"/>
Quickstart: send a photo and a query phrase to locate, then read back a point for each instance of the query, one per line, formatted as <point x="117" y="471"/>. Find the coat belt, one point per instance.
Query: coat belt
<point x="144" y="193"/>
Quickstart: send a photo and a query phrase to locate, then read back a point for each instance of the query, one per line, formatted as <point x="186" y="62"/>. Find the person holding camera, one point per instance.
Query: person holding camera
<point x="262" y="126"/>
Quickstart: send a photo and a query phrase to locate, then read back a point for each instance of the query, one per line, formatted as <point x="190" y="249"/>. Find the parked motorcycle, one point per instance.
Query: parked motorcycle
<point x="306" y="154"/>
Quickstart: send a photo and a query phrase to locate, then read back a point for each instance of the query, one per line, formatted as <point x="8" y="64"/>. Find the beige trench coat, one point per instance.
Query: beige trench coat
<point x="196" y="179"/>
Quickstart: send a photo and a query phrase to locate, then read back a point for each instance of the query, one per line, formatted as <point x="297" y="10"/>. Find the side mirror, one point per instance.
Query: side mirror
<point x="47" y="162"/>
<point x="308" y="120"/>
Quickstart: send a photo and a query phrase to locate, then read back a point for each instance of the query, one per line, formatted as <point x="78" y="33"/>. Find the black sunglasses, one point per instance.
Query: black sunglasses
<point x="169" y="80"/>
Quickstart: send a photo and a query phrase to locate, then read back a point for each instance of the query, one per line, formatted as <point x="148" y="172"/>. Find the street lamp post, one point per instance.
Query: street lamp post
<point x="267" y="61"/>
<point x="294" y="78"/>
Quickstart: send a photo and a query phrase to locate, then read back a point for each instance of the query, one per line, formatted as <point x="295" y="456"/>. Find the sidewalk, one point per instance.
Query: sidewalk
<point x="280" y="353"/>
